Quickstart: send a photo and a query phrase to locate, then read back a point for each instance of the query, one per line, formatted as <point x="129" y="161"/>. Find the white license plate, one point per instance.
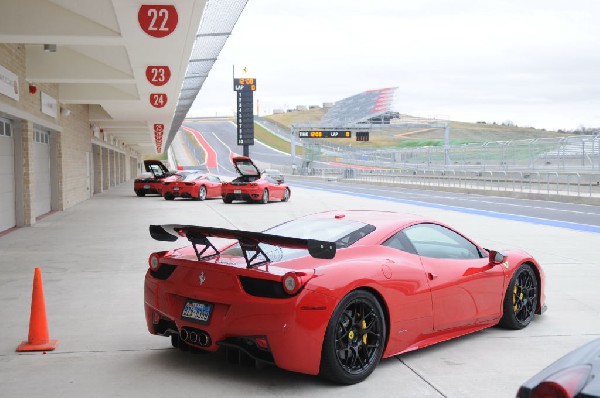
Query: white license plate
<point x="176" y="189"/>
<point x="146" y="186"/>
<point x="237" y="191"/>
<point x="197" y="311"/>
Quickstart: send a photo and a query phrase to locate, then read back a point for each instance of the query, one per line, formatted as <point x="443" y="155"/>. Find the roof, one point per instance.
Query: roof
<point x="102" y="53"/>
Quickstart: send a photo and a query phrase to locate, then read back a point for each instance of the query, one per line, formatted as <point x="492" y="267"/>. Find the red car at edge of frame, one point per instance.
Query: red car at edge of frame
<point x="146" y="185"/>
<point x="195" y="185"/>
<point x="252" y="185"/>
<point x="375" y="284"/>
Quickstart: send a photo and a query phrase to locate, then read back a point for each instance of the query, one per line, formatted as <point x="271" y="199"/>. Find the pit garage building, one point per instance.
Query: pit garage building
<point x="88" y="88"/>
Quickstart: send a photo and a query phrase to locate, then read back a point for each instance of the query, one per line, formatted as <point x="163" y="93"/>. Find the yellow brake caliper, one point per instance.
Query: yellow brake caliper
<point x="364" y="326"/>
<point x="515" y="299"/>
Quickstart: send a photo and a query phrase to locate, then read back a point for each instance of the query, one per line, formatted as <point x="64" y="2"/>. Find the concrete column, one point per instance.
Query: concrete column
<point x="113" y="167"/>
<point x="56" y="172"/>
<point x="24" y="167"/>
<point x="105" y="170"/>
<point x="97" y="172"/>
<point x="123" y="167"/>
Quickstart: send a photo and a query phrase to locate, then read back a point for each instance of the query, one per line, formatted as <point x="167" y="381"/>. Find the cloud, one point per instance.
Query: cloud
<point x="532" y="62"/>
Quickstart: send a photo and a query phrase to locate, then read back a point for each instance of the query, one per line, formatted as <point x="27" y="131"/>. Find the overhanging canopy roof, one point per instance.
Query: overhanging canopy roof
<point x="102" y="54"/>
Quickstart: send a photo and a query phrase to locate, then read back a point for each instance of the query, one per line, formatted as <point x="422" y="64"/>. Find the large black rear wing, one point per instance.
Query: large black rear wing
<point x="249" y="241"/>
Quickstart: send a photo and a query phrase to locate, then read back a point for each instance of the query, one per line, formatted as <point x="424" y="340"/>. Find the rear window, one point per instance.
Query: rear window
<point x="246" y="167"/>
<point x="343" y="232"/>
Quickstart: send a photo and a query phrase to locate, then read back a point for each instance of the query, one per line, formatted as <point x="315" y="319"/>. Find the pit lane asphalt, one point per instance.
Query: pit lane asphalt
<point x="566" y="215"/>
<point x="94" y="257"/>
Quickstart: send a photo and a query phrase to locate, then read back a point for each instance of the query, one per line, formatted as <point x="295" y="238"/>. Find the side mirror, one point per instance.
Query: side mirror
<point x="496" y="257"/>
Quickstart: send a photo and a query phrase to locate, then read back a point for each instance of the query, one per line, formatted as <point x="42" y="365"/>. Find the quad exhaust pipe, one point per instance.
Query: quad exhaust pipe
<point x="195" y="336"/>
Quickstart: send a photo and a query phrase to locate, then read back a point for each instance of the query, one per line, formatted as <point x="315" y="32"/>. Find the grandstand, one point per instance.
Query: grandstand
<point x="372" y="106"/>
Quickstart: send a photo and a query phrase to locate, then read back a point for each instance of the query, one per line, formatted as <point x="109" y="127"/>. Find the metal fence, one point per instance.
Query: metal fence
<point x="576" y="153"/>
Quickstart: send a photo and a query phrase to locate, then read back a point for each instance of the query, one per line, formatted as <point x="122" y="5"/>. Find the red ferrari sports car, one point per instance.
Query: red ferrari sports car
<point x="152" y="184"/>
<point x="251" y="185"/>
<point x="197" y="186"/>
<point x="332" y="293"/>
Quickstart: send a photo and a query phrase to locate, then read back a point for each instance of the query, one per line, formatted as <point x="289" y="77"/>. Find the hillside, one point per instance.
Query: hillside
<point x="401" y="136"/>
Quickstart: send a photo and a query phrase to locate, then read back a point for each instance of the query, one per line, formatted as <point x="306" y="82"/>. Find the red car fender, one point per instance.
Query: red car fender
<point x="401" y="288"/>
<point x="514" y="259"/>
<point x="299" y="347"/>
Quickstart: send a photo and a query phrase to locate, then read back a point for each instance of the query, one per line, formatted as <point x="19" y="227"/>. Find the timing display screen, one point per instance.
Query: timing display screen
<point x="325" y="134"/>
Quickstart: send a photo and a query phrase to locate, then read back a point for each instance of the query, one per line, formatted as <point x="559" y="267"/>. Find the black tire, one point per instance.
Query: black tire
<point x="353" y="343"/>
<point x="227" y="199"/>
<point x="201" y="193"/>
<point x="286" y="195"/>
<point x="168" y="196"/>
<point x="521" y="299"/>
<point x="140" y="194"/>
<point x="265" y="197"/>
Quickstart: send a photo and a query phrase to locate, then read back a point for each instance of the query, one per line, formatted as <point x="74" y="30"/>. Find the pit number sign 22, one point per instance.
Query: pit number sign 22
<point x="158" y="20"/>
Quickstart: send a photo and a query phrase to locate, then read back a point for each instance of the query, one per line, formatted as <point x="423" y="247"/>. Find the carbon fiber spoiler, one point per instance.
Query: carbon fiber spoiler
<point x="248" y="241"/>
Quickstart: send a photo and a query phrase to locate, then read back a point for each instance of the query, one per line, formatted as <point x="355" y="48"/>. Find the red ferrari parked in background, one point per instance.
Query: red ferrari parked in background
<point x="252" y="186"/>
<point x="332" y="293"/>
<point x="152" y="184"/>
<point x="197" y="186"/>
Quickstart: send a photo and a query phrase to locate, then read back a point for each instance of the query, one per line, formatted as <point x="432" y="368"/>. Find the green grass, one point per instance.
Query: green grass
<point x="274" y="141"/>
<point x="199" y="151"/>
<point x="156" y="156"/>
<point x="396" y="137"/>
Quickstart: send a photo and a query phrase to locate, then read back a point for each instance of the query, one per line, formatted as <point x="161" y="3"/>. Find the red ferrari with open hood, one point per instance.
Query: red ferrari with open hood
<point x="332" y="293"/>
<point x="252" y="185"/>
<point x="152" y="183"/>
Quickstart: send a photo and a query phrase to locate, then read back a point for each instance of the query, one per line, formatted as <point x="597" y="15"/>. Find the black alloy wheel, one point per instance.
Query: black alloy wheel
<point x="227" y="198"/>
<point x="140" y="194"/>
<point x="286" y="195"/>
<point x="168" y="196"/>
<point x="202" y="193"/>
<point x="265" y="197"/>
<point x="354" y="340"/>
<point x="521" y="299"/>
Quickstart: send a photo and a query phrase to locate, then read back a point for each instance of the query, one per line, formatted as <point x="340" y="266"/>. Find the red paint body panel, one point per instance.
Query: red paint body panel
<point x="426" y="300"/>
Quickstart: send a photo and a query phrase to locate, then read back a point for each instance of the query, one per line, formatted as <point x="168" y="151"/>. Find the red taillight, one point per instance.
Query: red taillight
<point x="253" y="184"/>
<point x="154" y="260"/>
<point x="565" y="383"/>
<point x="166" y="183"/>
<point x="189" y="184"/>
<point x="294" y="281"/>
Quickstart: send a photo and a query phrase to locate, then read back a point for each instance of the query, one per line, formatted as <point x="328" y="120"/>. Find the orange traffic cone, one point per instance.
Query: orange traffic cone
<point x="38" y="325"/>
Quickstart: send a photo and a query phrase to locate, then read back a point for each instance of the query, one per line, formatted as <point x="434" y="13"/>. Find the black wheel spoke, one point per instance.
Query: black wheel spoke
<point x="357" y="336"/>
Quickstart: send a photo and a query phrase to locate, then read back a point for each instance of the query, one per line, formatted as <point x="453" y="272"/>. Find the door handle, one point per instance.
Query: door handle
<point x="431" y="276"/>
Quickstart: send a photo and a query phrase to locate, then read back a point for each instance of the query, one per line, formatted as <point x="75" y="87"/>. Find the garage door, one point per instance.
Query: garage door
<point x="41" y="172"/>
<point x="7" y="176"/>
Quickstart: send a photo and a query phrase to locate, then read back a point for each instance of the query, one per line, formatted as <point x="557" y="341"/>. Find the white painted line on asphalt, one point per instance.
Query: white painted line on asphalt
<point x="481" y="201"/>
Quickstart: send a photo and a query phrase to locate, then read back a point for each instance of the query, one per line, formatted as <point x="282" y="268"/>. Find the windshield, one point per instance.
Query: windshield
<point x="343" y="232"/>
<point x="192" y="176"/>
